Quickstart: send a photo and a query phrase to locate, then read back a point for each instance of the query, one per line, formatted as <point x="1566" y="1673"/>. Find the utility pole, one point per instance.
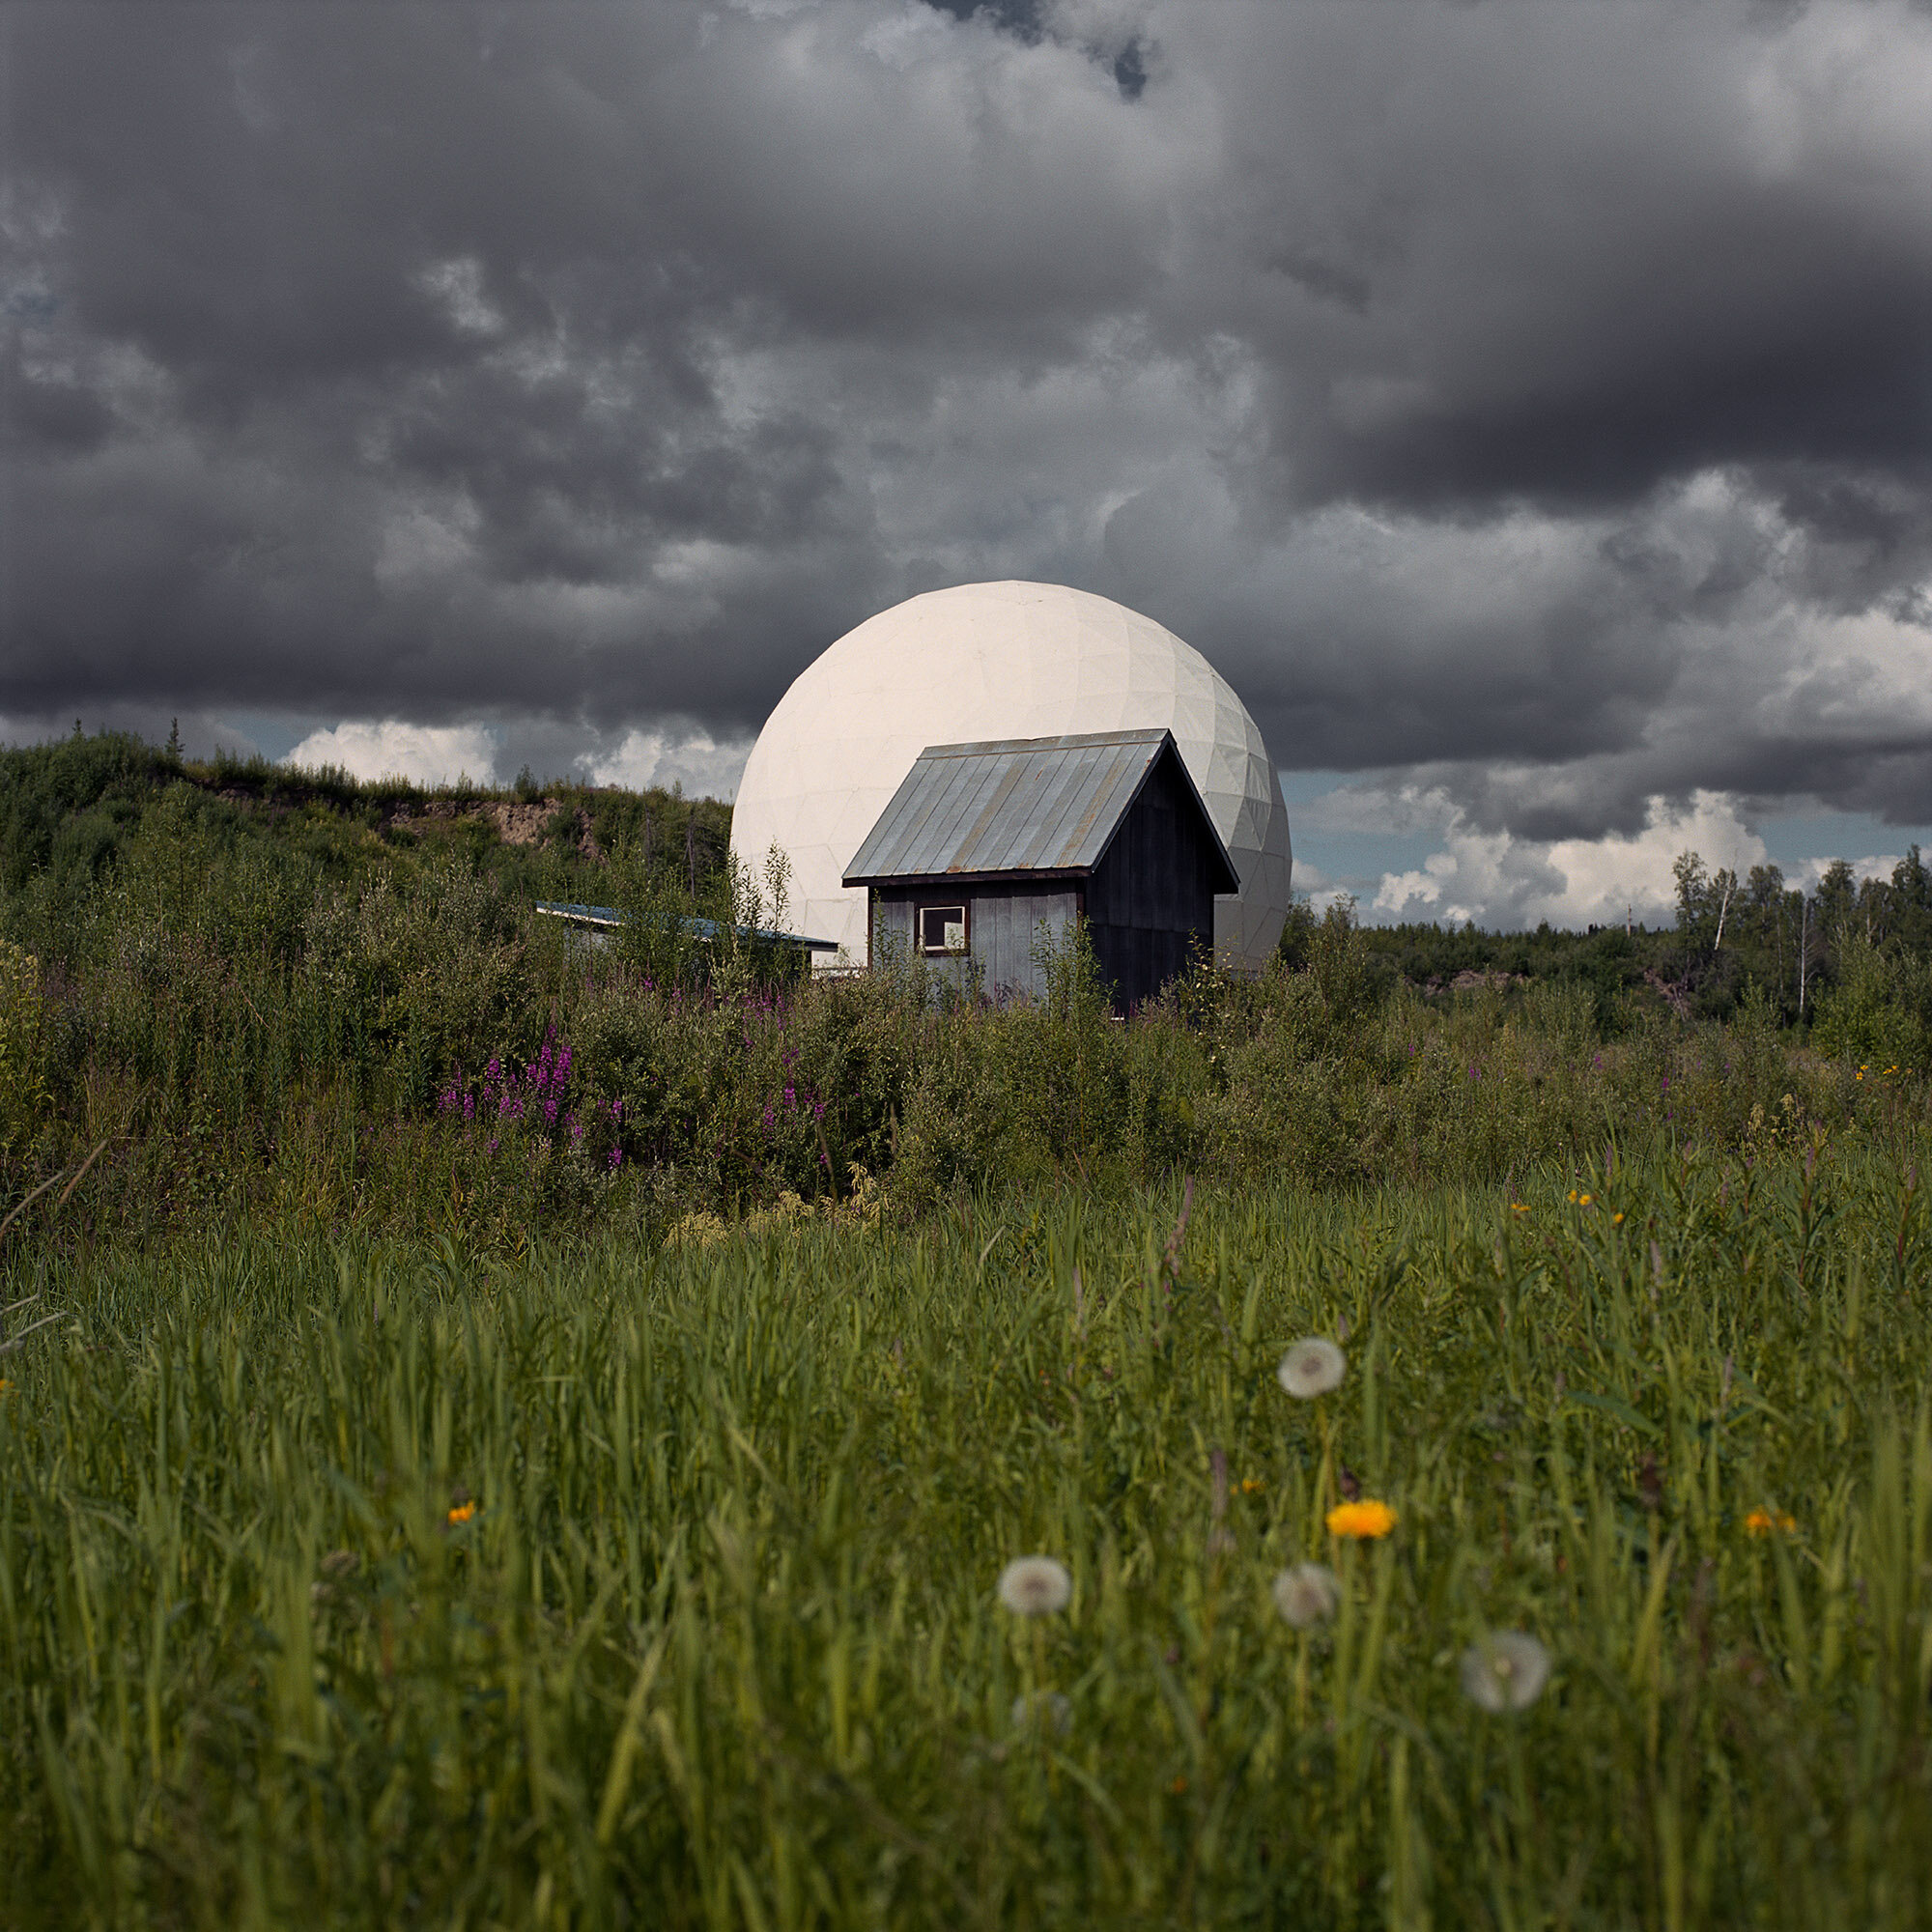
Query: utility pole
<point x="1803" y="934"/>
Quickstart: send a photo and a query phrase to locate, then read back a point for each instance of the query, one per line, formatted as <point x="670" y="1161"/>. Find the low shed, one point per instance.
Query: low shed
<point x="983" y="845"/>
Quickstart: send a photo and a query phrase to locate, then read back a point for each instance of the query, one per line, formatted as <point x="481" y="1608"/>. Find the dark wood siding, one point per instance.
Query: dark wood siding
<point x="1151" y="899"/>
<point x="1149" y="903"/>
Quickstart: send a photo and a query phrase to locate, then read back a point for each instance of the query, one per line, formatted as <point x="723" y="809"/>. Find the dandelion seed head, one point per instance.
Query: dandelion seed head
<point x="1051" y="1710"/>
<point x="1306" y="1595"/>
<point x="1505" y="1670"/>
<point x="1036" y="1586"/>
<point x="1313" y="1367"/>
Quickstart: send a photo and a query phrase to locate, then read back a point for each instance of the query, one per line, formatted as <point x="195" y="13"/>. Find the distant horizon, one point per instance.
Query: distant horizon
<point x="1312" y="884"/>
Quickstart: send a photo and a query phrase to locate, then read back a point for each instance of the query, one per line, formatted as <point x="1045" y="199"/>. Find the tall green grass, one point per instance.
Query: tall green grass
<point x="719" y="1645"/>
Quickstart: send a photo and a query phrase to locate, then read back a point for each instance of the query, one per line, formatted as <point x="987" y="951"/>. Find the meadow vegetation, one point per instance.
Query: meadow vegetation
<point x="352" y="1582"/>
<point x="504" y="1431"/>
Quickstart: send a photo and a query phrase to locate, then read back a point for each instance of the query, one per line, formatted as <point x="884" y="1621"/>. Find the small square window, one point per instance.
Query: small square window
<point x="942" y="928"/>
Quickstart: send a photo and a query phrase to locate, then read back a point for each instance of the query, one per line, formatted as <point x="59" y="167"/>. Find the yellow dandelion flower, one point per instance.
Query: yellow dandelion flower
<point x="1585" y="1200"/>
<point x="462" y="1512"/>
<point x="1251" y="1487"/>
<point x="1573" y="1194"/>
<point x="1358" y="1519"/>
<point x="1762" y="1521"/>
<point x="1616" y="1220"/>
<point x="1519" y="1207"/>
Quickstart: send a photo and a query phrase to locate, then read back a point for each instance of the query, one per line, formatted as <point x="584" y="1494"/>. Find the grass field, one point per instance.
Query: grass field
<point x="349" y="1584"/>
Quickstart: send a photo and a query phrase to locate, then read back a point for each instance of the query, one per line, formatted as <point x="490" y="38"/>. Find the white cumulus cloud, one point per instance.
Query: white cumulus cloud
<point x="426" y="754"/>
<point x="696" y="760"/>
<point x="1499" y="880"/>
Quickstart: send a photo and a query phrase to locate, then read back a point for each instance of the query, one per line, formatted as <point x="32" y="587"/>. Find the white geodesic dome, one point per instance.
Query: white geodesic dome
<point x="998" y="661"/>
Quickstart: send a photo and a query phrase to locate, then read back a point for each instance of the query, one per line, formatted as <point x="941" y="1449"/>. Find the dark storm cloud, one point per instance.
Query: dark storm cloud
<point x="1534" y="400"/>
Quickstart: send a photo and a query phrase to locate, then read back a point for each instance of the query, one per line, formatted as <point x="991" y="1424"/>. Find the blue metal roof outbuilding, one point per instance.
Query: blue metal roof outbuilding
<point x="607" y="917"/>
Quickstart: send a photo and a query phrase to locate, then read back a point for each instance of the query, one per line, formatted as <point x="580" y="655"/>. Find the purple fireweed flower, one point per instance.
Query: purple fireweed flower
<point x="616" y="1156"/>
<point x="495" y="1067"/>
<point x="469" y="1108"/>
<point x="493" y="1145"/>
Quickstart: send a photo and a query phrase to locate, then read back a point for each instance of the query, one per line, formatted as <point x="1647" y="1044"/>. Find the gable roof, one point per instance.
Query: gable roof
<point x="1019" y="805"/>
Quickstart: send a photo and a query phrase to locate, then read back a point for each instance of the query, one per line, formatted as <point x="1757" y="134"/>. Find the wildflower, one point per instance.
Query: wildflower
<point x="1519" y="1207"/>
<point x="6" y="1388"/>
<point x="1585" y="1200"/>
<point x="1035" y="1586"/>
<point x="1312" y="1367"/>
<point x="1617" y="1219"/>
<point x="1358" y="1519"/>
<point x="1251" y="1487"/>
<point x="1307" y="1594"/>
<point x="616" y="1157"/>
<point x="1051" y="1710"/>
<point x="462" y="1512"/>
<point x="1762" y="1521"/>
<point x="1505" y="1670"/>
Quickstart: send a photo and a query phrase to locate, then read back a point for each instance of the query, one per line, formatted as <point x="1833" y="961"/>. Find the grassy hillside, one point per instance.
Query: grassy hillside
<point x="254" y="993"/>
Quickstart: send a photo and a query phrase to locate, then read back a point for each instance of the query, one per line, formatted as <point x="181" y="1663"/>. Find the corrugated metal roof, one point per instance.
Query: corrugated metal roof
<point x="1010" y="805"/>
<point x="604" y="918"/>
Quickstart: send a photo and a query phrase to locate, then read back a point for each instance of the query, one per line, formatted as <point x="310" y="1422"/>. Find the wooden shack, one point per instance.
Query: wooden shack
<point x="986" y="848"/>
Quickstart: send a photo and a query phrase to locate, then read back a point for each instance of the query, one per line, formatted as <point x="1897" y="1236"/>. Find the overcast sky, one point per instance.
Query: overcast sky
<point x="1527" y="406"/>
